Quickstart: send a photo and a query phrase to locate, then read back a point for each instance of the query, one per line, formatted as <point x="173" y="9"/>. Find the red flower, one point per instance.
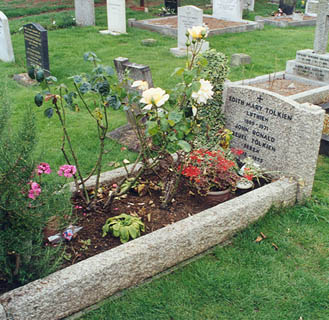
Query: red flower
<point x="237" y="152"/>
<point x="191" y="171"/>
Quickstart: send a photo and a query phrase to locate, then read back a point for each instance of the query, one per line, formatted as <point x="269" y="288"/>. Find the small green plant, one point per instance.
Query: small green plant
<point x="124" y="226"/>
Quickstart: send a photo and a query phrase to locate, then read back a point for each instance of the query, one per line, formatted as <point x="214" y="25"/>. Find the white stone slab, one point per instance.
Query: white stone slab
<point x="311" y="8"/>
<point x="116" y="17"/>
<point x="228" y="9"/>
<point x="188" y="17"/>
<point x="277" y="132"/>
<point x="308" y="56"/>
<point x="84" y="12"/>
<point x="6" y="48"/>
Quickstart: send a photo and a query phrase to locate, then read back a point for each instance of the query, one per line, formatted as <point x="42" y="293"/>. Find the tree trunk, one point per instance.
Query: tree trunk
<point x="287" y="6"/>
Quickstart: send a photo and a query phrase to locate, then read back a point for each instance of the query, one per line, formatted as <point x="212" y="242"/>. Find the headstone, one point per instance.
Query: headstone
<point x="36" y="46"/>
<point x="6" y="48"/>
<point x="116" y="17"/>
<point x="311" y="8"/>
<point x="280" y="134"/>
<point x="322" y="28"/>
<point x="249" y="5"/>
<point x="228" y="9"/>
<point x="188" y="17"/>
<point x="238" y="59"/>
<point x="84" y="12"/>
<point x="314" y="64"/>
<point x="287" y="6"/>
<point x="172" y="5"/>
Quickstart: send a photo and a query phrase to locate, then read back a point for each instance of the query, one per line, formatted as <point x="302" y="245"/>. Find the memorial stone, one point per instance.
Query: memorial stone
<point x="311" y="8"/>
<point x="249" y="5"/>
<point x="230" y="10"/>
<point x="280" y="134"/>
<point x="172" y="5"/>
<point x="6" y="48"/>
<point x="36" y="46"/>
<point x="287" y="6"/>
<point x="84" y="12"/>
<point x="188" y="17"/>
<point x="116" y="17"/>
<point x="314" y="64"/>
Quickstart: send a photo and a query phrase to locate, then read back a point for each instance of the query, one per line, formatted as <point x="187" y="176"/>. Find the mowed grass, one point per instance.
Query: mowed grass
<point x="244" y="280"/>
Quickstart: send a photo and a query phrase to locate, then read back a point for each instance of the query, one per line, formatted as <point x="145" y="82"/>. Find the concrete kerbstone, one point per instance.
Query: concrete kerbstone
<point x="88" y="282"/>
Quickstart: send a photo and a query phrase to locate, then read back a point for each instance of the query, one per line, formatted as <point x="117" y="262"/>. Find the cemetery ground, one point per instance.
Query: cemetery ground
<point x="281" y="277"/>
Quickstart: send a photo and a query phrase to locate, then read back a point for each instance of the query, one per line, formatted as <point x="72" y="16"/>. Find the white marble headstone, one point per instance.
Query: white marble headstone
<point x="6" y="48"/>
<point x="84" y="12"/>
<point x="228" y="9"/>
<point x="116" y="17"/>
<point x="188" y="17"/>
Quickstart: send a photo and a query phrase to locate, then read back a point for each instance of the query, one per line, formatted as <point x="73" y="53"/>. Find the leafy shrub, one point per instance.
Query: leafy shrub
<point x="210" y="114"/>
<point x="24" y="213"/>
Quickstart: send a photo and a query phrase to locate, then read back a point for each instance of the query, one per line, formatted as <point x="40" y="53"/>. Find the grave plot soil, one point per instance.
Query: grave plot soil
<point x="281" y="86"/>
<point x="212" y="23"/>
<point x="89" y="241"/>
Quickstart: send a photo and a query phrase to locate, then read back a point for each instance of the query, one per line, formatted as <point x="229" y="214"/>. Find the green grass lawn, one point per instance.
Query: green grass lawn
<point x="244" y="280"/>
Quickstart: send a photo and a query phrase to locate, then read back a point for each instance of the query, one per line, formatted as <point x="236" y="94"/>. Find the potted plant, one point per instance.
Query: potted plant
<point x="212" y="173"/>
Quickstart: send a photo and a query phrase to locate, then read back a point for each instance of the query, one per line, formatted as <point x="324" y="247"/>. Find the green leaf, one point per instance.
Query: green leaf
<point x="133" y="231"/>
<point x="49" y="112"/>
<point x="77" y="79"/>
<point x="196" y="85"/>
<point x="51" y="79"/>
<point x="114" y="102"/>
<point x="109" y="71"/>
<point x="178" y="72"/>
<point x="85" y="87"/>
<point x="188" y="76"/>
<point x="184" y="145"/>
<point x="152" y="128"/>
<point x="175" y="116"/>
<point x="38" y="99"/>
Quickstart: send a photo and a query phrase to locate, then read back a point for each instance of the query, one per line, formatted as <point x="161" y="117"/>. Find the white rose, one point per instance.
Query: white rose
<point x="155" y="96"/>
<point x="197" y="32"/>
<point x="205" y="92"/>
<point x="140" y="85"/>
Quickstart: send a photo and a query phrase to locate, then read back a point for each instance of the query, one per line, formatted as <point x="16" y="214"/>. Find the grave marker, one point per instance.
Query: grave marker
<point x="249" y="5"/>
<point x="311" y="8"/>
<point x="230" y="10"/>
<point x="322" y="28"/>
<point x="172" y="5"/>
<point x="116" y="17"/>
<point x="188" y="17"/>
<point x="278" y="133"/>
<point x="6" y="48"/>
<point x="36" y="46"/>
<point x="84" y="12"/>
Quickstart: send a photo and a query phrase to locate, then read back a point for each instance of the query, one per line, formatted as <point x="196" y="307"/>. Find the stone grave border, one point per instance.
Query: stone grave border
<point x="313" y="96"/>
<point x="280" y="23"/>
<point x="169" y="31"/>
<point x="81" y="285"/>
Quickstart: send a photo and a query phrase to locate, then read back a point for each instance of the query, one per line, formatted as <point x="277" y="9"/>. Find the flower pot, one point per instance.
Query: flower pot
<point x="215" y="197"/>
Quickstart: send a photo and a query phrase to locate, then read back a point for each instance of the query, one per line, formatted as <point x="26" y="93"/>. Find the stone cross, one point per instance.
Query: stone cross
<point x="322" y="28"/>
<point x="6" y="48"/>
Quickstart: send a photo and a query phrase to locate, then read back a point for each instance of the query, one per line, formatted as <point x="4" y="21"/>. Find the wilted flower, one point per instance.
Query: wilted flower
<point x="205" y="92"/>
<point x="43" y="167"/>
<point x="67" y="170"/>
<point x="154" y="95"/>
<point x="34" y="191"/>
<point x="198" y="32"/>
<point x="140" y="85"/>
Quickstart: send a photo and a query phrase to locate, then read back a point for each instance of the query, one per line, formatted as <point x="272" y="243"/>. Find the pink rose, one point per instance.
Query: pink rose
<point x="43" y="167"/>
<point x="67" y="170"/>
<point x="34" y="191"/>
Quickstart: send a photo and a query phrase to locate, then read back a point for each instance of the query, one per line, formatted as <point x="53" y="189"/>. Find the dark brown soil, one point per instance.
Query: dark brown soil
<point x="212" y="23"/>
<point x="89" y="241"/>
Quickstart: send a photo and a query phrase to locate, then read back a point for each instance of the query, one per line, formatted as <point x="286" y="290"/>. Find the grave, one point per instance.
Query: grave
<point x="6" y="48"/>
<point x="287" y="6"/>
<point x="311" y="8"/>
<point x="36" y="46"/>
<point x="280" y="134"/>
<point x="314" y="64"/>
<point x="116" y="17"/>
<point x="228" y="9"/>
<point x="84" y="12"/>
<point x="249" y="5"/>
<point x="126" y="134"/>
<point x="172" y="5"/>
<point x="294" y="20"/>
<point x="188" y="17"/>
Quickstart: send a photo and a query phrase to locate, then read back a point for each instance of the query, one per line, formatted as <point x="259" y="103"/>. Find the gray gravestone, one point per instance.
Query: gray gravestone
<point x="230" y="10"/>
<point x="322" y="28"/>
<point x="188" y="17"/>
<point x="249" y="5"/>
<point x="6" y="48"/>
<point x="116" y="17"/>
<point x="36" y="46"/>
<point x="278" y="133"/>
<point x="311" y="8"/>
<point x="84" y="12"/>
